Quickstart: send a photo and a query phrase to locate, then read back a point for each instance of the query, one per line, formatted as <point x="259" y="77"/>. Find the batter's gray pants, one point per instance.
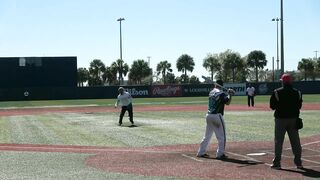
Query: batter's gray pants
<point x="215" y="123"/>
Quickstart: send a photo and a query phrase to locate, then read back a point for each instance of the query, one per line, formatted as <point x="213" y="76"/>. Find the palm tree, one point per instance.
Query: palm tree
<point x="307" y="66"/>
<point x="110" y="75"/>
<point x="83" y="76"/>
<point x="256" y="59"/>
<point x="185" y="63"/>
<point x="234" y="62"/>
<point x="139" y="70"/>
<point x="121" y="68"/>
<point x="162" y="68"/>
<point x="96" y="70"/>
<point x="211" y="63"/>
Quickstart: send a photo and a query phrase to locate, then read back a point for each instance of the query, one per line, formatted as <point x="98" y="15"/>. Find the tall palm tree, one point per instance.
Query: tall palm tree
<point x="83" y="76"/>
<point x="110" y="75"/>
<point x="211" y="63"/>
<point x="185" y="63"/>
<point x="139" y="70"/>
<point x="162" y="68"/>
<point x="257" y="60"/>
<point x="96" y="70"/>
<point x="234" y="62"/>
<point x="121" y="68"/>
<point x="307" y="66"/>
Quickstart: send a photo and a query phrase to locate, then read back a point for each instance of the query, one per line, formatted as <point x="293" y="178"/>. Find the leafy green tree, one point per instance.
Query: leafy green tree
<point x="162" y="68"/>
<point x="185" y="63"/>
<point x="211" y="63"/>
<point x="257" y="60"/>
<point x="83" y="76"/>
<point x="96" y="71"/>
<point x="307" y="66"/>
<point x="183" y="79"/>
<point x="121" y="68"/>
<point x="318" y="67"/>
<point x="234" y="63"/>
<point x="138" y="71"/>
<point x="171" y="79"/>
<point x="194" y="80"/>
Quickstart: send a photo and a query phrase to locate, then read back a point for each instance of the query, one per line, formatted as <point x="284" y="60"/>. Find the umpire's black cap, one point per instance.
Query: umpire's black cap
<point x="220" y="82"/>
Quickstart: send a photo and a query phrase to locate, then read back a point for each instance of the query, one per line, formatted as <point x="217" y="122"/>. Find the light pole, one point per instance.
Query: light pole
<point x="120" y="19"/>
<point x="277" y="20"/>
<point x="282" y="38"/>
<point x="316" y="54"/>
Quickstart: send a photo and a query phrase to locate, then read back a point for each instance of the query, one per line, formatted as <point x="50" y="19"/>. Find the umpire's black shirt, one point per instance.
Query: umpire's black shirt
<point x="288" y="103"/>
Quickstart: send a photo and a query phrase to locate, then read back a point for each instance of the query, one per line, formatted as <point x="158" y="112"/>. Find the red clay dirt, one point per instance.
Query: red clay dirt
<point x="94" y="109"/>
<point x="180" y="160"/>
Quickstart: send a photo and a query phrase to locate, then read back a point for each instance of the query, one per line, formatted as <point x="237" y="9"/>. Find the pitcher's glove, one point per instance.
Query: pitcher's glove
<point x="231" y="92"/>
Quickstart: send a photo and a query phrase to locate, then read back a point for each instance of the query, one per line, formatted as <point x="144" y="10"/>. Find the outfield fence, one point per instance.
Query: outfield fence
<point x="108" y="92"/>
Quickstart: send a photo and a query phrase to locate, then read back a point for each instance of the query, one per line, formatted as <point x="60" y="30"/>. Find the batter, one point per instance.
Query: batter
<point x="215" y="121"/>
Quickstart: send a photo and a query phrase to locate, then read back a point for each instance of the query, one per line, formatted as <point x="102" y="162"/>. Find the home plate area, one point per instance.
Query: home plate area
<point x="246" y="160"/>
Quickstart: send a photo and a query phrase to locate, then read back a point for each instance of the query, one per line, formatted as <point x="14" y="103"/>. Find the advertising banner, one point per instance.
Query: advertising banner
<point x="166" y="91"/>
<point x="138" y="91"/>
<point x="240" y="88"/>
<point x="204" y="89"/>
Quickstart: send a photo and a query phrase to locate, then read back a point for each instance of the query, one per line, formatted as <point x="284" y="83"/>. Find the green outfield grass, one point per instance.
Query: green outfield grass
<point x="144" y="101"/>
<point x="154" y="128"/>
<point x="100" y="129"/>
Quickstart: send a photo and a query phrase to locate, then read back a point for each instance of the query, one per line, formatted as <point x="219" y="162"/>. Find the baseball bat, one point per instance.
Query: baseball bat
<point x="216" y="84"/>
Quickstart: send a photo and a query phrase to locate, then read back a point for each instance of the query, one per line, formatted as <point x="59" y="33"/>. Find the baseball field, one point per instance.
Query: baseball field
<point x="80" y="139"/>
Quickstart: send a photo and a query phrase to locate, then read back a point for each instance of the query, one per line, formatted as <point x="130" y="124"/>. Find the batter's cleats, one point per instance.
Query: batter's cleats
<point x="119" y="124"/>
<point x="203" y="156"/>
<point x="222" y="157"/>
<point x="275" y="166"/>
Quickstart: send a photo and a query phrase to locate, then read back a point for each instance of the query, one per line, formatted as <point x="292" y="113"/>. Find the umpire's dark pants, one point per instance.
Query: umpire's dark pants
<point x="251" y="101"/>
<point x="281" y="127"/>
<point x="123" y="111"/>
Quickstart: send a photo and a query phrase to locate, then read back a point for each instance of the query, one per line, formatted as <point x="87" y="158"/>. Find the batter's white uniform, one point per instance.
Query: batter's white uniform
<point x="215" y="122"/>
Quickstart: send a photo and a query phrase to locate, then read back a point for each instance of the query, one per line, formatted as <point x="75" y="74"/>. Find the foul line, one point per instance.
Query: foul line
<point x="244" y="156"/>
<point x="192" y="158"/>
<point x="312" y="150"/>
<point x="310" y="143"/>
<point x="306" y="144"/>
<point x="315" y="162"/>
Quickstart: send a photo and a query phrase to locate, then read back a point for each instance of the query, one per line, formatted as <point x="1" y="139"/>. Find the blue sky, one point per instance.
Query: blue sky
<point x="161" y="29"/>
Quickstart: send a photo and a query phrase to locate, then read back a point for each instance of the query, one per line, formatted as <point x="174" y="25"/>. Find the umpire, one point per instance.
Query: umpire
<point x="287" y="102"/>
<point x="124" y="99"/>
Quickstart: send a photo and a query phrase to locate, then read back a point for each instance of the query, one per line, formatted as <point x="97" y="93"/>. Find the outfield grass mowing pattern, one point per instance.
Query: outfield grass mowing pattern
<point x="154" y="128"/>
<point x="100" y="129"/>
